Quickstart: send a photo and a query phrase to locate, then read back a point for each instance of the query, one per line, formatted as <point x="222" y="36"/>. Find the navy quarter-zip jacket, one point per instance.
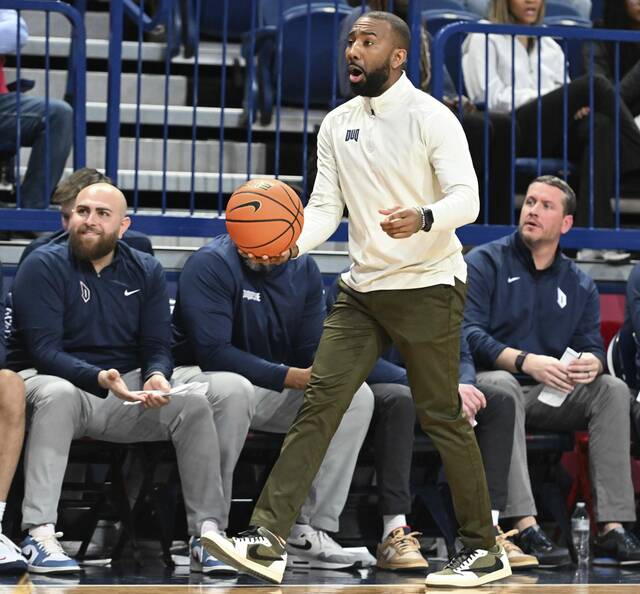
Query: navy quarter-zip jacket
<point x="71" y="322"/>
<point x="511" y="304"/>
<point x="257" y="324"/>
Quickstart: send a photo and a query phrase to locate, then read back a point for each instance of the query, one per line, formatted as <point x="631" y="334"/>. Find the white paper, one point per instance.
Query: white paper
<point x="554" y="397"/>
<point x="192" y="388"/>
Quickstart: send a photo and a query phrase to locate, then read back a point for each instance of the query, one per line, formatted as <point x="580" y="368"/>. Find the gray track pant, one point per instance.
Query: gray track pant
<point x="239" y="405"/>
<point x="59" y="412"/>
<point x="602" y="408"/>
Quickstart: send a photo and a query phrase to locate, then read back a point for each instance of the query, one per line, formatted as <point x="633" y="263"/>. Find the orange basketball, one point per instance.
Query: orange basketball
<point x="264" y="217"/>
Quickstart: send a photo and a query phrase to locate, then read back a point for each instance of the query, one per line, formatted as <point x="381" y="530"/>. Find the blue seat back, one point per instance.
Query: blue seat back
<point x="322" y="33"/>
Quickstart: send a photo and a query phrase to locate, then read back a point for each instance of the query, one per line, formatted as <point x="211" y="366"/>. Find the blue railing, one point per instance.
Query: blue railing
<point x="34" y="219"/>
<point x="616" y="237"/>
<point x="196" y="209"/>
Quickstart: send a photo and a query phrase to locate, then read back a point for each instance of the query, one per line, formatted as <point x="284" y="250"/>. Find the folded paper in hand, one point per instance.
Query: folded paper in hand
<point x="554" y="397"/>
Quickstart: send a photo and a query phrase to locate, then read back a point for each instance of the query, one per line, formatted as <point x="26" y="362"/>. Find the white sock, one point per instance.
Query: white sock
<point x="42" y="531"/>
<point x="495" y="516"/>
<point x="3" y="505"/>
<point x="391" y="522"/>
<point x="209" y="526"/>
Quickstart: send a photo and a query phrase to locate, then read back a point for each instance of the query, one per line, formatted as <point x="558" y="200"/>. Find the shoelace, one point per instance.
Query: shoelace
<point x="540" y="538"/>
<point x="329" y="543"/>
<point x="503" y="539"/>
<point x="405" y="543"/>
<point x="251" y="536"/>
<point x="50" y="543"/>
<point x="464" y="555"/>
<point x="630" y="540"/>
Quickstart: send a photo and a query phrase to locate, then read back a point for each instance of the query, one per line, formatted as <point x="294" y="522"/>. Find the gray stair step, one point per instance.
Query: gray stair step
<point x="210" y="53"/>
<point x="291" y="119"/>
<point x="96" y="24"/>
<point x="152" y="86"/>
<point x="150" y="155"/>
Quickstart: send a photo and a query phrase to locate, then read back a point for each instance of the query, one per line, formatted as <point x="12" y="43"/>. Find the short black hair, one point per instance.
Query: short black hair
<point x="567" y="190"/>
<point x="399" y="27"/>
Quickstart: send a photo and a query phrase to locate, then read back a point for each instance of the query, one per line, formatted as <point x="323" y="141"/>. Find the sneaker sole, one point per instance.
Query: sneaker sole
<point x="218" y="546"/>
<point x="524" y="564"/>
<point x="613" y="562"/>
<point x="411" y="566"/>
<point x="295" y="561"/>
<point x="467" y="582"/>
<point x="13" y="567"/>
<point x="39" y="569"/>
<point x="196" y="567"/>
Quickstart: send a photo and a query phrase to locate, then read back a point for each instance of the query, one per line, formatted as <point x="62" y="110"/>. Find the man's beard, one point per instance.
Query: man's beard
<point x="90" y="251"/>
<point x="255" y="267"/>
<point x="373" y="83"/>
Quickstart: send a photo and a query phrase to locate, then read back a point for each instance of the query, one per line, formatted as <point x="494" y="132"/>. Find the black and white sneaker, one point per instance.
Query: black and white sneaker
<point x="257" y="552"/>
<point x="472" y="567"/>
<point x="308" y="548"/>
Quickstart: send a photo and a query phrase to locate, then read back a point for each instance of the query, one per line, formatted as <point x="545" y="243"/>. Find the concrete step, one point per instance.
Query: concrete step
<point x="152" y="86"/>
<point x="291" y="118"/>
<point x="150" y="151"/>
<point x="210" y="53"/>
<point x="96" y="24"/>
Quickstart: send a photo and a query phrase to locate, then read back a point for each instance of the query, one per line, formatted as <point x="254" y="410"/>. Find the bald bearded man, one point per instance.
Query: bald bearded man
<point x="91" y="334"/>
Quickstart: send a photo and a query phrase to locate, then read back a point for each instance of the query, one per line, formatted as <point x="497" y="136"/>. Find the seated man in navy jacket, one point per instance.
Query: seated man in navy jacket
<point x="11" y="436"/>
<point x="91" y="329"/>
<point x="251" y="331"/>
<point x="526" y="304"/>
<point x="65" y="195"/>
<point x="498" y="428"/>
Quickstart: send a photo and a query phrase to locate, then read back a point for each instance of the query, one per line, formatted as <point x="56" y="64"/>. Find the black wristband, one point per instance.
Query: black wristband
<point x="522" y="355"/>
<point x="428" y="219"/>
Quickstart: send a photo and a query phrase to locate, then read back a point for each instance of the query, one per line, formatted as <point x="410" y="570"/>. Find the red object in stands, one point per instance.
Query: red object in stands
<point x="611" y="315"/>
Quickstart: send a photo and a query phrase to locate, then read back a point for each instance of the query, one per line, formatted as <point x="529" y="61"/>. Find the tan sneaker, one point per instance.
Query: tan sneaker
<point x="400" y="550"/>
<point x="517" y="558"/>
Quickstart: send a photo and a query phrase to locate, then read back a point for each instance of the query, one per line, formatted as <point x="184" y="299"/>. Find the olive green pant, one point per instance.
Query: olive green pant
<point x="424" y="324"/>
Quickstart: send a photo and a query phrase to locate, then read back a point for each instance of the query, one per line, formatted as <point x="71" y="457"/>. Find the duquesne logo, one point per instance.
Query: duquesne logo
<point x="85" y="293"/>
<point x="352" y="135"/>
<point x="250" y="295"/>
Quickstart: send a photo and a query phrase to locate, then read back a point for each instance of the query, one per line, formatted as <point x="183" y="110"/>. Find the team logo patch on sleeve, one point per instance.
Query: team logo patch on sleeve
<point x="85" y="293"/>
<point x="352" y="135"/>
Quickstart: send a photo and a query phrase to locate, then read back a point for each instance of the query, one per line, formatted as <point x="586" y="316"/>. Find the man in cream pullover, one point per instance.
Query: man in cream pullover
<point x="399" y="161"/>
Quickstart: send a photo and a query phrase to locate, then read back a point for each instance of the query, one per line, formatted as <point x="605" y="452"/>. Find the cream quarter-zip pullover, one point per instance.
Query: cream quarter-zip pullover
<point x="402" y="148"/>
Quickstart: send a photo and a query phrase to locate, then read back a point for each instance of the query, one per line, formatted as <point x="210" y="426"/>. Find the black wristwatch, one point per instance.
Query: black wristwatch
<point x="522" y="355"/>
<point x="428" y="219"/>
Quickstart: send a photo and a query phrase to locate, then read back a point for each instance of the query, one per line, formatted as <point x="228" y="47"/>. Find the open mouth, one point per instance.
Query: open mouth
<point x="356" y="74"/>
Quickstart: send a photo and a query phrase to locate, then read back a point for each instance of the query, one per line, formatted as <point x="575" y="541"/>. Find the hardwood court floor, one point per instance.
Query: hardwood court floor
<point x="126" y="578"/>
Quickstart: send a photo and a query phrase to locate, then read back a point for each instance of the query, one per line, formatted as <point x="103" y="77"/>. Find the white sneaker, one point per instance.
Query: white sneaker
<point x="315" y="549"/>
<point x="46" y="555"/>
<point x="11" y="559"/>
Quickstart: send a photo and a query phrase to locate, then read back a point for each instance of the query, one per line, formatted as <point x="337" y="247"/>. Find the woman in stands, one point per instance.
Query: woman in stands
<point x="525" y="104"/>
<point x="620" y="14"/>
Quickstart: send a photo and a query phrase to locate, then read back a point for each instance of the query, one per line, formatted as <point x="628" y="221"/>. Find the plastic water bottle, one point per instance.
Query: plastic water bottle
<point x="580" y="533"/>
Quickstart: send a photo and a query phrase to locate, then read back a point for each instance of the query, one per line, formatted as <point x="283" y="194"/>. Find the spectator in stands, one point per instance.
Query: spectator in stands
<point x="11" y="436"/>
<point x="531" y="12"/>
<point x="65" y="195"/>
<point x="526" y="304"/>
<point x="33" y="123"/>
<point x="481" y="7"/>
<point x="251" y="333"/>
<point x="499" y="125"/>
<point x="619" y="14"/>
<point x="408" y="183"/>
<point x="92" y="327"/>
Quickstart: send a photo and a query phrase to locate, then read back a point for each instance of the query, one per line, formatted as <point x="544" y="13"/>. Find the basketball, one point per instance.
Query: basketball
<point x="264" y="217"/>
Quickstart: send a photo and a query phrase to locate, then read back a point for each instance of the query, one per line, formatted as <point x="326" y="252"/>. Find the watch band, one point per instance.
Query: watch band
<point x="522" y="355"/>
<point x="427" y="216"/>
